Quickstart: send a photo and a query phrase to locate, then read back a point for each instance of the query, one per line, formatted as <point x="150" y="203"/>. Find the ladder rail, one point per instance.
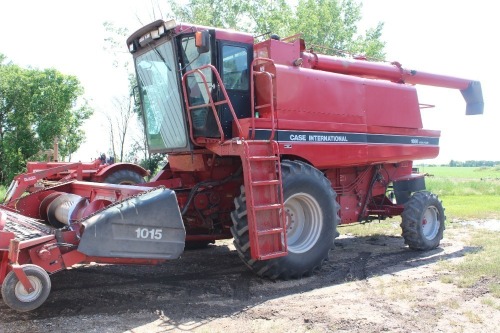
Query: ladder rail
<point x="276" y="204"/>
<point x="269" y="77"/>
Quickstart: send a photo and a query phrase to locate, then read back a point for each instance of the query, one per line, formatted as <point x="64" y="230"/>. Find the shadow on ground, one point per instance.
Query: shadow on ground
<point x="210" y="283"/>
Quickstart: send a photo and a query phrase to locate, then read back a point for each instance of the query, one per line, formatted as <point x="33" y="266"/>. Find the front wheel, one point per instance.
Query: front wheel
<point x="423" y="221"/>
<point x="124" y="177"/>
<point x="17" y="298"/>
<point x="311" y="221"/>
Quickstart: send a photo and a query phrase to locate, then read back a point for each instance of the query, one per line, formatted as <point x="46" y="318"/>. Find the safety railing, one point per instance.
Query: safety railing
<point x="211" y="103"/>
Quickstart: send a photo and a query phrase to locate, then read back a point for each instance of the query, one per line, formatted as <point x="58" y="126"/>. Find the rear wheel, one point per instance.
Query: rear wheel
<point x="124" y="177"/>
<point x="312" y="219"/>
<point x="423" y="221"/>
<point x="17" y="298"/>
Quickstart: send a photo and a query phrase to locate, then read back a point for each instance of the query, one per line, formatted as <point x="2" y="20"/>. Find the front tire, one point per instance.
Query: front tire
<point x="124" y="177"/>
<point x="17" y="298"/>
<point x="423" y="221"/>
<point x="312" y="219"/>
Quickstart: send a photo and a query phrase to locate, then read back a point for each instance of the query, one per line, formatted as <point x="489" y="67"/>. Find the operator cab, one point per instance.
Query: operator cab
<point x="163" y="52"/>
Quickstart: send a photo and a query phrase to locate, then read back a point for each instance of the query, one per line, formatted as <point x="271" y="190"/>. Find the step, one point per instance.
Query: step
<point x="266" y="182"/>
<point x="268" y="207"/>
<point x="263" y="158"/>
<point x="270" y="231"/>
<point x="273" y="255"/>
<point x="263" y="106"/>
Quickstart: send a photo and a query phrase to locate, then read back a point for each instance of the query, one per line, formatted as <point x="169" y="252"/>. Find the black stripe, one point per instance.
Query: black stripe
<point x="345" y="138"/>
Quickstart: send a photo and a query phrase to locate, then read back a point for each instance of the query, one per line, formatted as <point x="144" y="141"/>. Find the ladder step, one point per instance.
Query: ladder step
<point x="268" y="207"/>
<point x="263" y="106"/>
<point x="273" y="255"/>
<point x="270" y="231"/>
<point x="263" y="158"/>
<point x="266" y="182"/>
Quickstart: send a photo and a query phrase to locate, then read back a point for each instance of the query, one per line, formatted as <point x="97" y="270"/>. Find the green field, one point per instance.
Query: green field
<point x="467" y="192"/>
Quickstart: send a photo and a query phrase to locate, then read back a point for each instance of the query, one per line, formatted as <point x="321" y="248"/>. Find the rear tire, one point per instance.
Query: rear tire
<point x="311" y="224"/>
<point x="124" y="177"/>
<point x="423" y="221"/>
<point x="16" y="297"/>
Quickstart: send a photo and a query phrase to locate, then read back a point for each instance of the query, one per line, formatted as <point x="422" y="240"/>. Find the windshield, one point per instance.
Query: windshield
<point x="197" y="92"/>
<point x="161" y="98"/>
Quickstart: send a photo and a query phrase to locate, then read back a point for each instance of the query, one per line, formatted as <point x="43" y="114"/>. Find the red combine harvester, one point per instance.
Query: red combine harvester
<point x="268" y="143"/>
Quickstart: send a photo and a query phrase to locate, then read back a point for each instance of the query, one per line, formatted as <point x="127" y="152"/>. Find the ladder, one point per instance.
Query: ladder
<point x="264" y="199"/>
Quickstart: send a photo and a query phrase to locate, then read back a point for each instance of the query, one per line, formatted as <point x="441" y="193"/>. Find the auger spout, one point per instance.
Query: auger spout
<point x="470" y="89"/>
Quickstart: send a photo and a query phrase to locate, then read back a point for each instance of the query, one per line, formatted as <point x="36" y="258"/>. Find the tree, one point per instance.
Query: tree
<point x="119" y="125"/>
<point x="37" y="106"/>
<point x="125" y="120"/>
<point x="331" y="24"/>
<point x="126" y="110"/>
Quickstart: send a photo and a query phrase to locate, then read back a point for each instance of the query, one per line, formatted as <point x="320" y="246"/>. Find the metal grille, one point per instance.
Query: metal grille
<point x="24" y="227"/>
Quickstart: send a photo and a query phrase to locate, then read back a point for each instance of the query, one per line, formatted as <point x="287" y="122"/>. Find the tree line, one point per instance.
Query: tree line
<point x="329" y="26"/>
<point x="473" y="163"/>
<point x="36" y="107"/>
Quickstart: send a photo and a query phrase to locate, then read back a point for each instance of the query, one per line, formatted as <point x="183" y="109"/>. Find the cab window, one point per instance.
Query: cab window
<point x="235" y="67"/>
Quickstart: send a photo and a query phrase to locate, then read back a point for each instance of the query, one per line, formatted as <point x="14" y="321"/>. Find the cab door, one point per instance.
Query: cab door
<point x="234" y="66"/>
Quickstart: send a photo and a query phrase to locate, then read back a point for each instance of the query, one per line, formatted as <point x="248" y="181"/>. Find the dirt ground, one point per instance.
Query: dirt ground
<point x="370" y="284"/>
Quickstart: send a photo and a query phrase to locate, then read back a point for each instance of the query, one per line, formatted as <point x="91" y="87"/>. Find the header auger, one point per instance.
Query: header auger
<point x="268" y="143"/>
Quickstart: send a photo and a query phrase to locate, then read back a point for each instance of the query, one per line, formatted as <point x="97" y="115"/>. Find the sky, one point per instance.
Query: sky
<point x="444" y="37"/>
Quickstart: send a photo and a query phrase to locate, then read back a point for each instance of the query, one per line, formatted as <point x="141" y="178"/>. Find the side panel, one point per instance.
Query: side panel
<point x="335" y="120"/>
<point x="391" y="104"/>
<point x="311" y="95"/>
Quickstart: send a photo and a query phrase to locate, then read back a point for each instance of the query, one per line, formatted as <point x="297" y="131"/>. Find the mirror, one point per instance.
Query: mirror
<point x="202" y="41"/>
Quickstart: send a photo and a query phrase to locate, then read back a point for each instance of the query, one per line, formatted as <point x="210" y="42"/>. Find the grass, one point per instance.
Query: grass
<point x="463" y="187"/>
<point x="386" y="228"/>
<point x="471" y="207"/>
<point x="483" y="264"/>
<point x="491" y="303"/>
<point x="473" y="317"/>
<point x="478" y="267"/>
<point x="466" y="192"/>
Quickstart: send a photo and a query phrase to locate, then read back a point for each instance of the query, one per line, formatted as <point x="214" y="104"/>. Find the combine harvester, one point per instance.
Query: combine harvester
<point x="268" y="143"/>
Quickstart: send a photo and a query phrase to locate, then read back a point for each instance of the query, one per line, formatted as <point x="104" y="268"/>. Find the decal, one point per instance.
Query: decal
<point x="145" y="233"/>
<point x="346" y="137"/>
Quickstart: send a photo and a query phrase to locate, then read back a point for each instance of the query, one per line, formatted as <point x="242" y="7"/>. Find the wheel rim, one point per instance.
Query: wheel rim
<point x="304" y="222"/>
<point x="25" y="296"/>
<point x="430" y="222"/>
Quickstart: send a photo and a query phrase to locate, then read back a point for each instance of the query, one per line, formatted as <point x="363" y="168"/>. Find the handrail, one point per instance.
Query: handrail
<point x="211" y="102"/>
<point x="271" y="97"/>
